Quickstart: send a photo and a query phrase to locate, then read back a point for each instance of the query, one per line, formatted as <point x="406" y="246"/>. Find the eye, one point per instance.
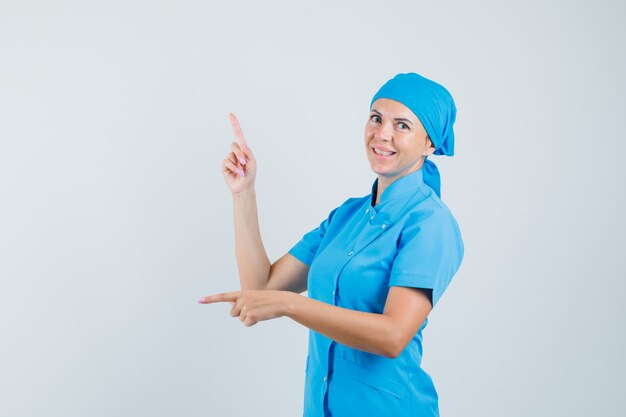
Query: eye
<point x="403" y="126"/>
<point x="375" y="118"/>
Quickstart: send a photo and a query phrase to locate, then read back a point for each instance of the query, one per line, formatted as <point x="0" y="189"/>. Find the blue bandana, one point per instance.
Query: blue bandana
<point x="434" y="107"/>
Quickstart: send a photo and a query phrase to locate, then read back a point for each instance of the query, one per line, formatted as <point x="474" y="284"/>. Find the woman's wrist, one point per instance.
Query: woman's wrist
<point x="290" y="303"/>
<point x="245" y="193"/>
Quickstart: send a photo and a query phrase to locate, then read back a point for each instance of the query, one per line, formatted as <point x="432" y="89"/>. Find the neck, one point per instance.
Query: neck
<point x="385" y="181"/>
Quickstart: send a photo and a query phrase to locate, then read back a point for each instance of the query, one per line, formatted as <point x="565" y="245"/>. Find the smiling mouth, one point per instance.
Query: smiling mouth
<point x="381" y="153"/>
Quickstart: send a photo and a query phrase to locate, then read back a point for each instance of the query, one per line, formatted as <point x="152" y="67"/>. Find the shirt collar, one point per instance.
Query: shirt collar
<point x="407" y="184"/>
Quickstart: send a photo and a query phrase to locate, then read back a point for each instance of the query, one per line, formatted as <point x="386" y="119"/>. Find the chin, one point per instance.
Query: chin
<point x="384" y="172"/>
<point x="391" y="173"/>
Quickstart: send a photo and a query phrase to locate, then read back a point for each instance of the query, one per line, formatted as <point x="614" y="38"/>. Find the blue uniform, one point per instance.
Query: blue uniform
<point x="409" y="239"/>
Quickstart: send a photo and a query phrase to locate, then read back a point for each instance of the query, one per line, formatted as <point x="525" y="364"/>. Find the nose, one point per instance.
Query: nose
<point x="384" y="132"/>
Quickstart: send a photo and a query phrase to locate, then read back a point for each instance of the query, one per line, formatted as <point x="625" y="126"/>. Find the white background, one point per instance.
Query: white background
<point x="114" y="218"/>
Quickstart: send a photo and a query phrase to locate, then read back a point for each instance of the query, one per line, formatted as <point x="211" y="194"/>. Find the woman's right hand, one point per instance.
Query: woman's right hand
<point x="239" y="167"/>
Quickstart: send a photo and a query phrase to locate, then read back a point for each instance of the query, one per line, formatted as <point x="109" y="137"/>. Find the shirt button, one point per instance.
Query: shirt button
<point x="350" y="253"/>
<point x="372" y="218"/>
<point x="325" y="378"/>
<point x="333" y="292"/>
<point x="367" y="211"/>
<point x="384" y="226"/>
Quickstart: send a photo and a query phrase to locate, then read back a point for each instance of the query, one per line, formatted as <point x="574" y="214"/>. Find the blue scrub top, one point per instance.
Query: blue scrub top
<point x="409" y="239"/>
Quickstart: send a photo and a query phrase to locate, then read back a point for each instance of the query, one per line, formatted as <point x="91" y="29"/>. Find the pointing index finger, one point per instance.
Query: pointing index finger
<point x="238" y="132"/>
<point x="220" y="298"/>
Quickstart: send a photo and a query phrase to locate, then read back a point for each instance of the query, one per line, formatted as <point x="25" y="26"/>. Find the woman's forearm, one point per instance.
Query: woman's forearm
<point x="374" y="333"/>
<point x="252" y="261"/>
<point x="384" y="334"/>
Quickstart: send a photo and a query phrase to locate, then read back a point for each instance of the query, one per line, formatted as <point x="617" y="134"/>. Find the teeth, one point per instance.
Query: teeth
<point x="379" y="152"/>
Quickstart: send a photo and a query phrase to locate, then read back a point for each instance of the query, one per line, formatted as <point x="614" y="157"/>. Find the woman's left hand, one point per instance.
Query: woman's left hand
<point x="253" y="306"/>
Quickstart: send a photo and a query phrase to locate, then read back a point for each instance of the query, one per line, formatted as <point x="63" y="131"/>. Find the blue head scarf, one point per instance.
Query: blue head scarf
<point x="434" y="107"/>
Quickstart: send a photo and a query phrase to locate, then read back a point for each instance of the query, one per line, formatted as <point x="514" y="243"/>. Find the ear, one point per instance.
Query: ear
<point x="430" y="148"/>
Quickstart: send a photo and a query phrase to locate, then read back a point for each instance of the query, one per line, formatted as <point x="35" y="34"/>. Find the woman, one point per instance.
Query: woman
<point x="373" y="269"/>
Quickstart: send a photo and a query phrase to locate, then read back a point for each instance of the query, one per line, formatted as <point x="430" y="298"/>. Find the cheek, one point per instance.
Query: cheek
<point x="408" y="150"/>
<point x="367" y="136"/>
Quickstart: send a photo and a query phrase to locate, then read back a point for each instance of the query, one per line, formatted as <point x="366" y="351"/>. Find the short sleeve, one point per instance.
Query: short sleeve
<point x="430" y="251"/>
<point x="306" y="249"/>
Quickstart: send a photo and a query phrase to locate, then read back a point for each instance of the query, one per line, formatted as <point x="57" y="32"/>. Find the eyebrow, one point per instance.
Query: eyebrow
<point x="396" y="119"/>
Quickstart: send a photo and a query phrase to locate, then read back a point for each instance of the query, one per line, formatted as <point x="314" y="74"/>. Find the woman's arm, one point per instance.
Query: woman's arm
<point x="255" y="270"/>
<point x="384" y="334"/>
<point x="252" y="262"/>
